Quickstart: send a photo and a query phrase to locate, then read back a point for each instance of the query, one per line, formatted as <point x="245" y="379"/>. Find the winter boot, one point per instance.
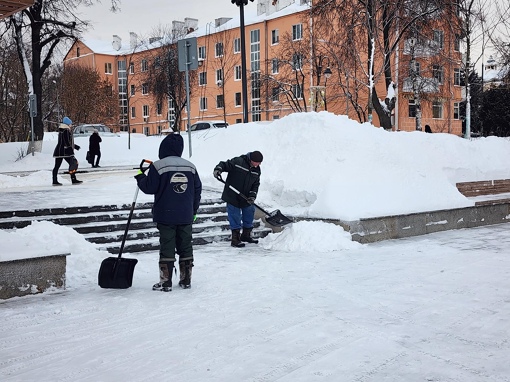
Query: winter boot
<point x="56" y="182"/>
<point x="185" y="269"/>
<point x="246" y="236"/>
<point x="74" y="180"/>
<point x="236" y="239"/>
<point x="165" y="276"/>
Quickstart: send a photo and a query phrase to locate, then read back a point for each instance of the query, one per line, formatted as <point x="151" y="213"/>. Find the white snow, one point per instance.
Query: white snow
<point x="306" y="304"/>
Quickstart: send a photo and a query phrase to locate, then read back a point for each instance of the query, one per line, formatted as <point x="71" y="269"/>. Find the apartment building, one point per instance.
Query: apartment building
<point x="281" y="79"/>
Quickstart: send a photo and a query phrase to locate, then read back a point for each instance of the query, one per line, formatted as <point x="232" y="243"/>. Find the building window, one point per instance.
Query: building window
<point x="133" y="112"/>
<point x="412" y="108"/>
<point x="238" y="99"/>
<point x="275" y="37"/>
<point x="201" y="52"/>
<point x="456" y="43"/>
<point x="131" y="68"/>
<point x="145" y="89"/>
<point x="237" y="45"/>
<point x="108" y="68"/>
<point x="219" y="76"/>
<point x="275" y="95"/>
<point x="203" y="103"/>
<point x="437" y="109"/>
<point x="439" y="38"/>
<point x="456" y="76"/>
<point x="144" y="65"/>
<point x="297" y="92"/>
<point x="237" y="73"/>
<point x="159" y="130"/>
<point x="77" y="52"/>
<point x="297" y="61"/>
<point x="159" y="108"/>
<point x="274" y="66"/>
<point x="202" y="78"/>
<point x="297" y="32"/>
<point x="437" y="73"/>
<point x="414" y="67"/>
<point x="132" y="90"/>
<point x="146" y="130"/>
<point x="219" y="101"/>
<point x="219" y="49"/>
<point x="145" y="111"/>
<point x="456" y="110"/>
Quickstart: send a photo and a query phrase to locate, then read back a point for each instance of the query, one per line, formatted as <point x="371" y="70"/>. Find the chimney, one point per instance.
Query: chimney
<point x="117" y="42"/>
<point x="222" y="20"/>
<point x="190" y="24"/>
<point x="133" y="40"/>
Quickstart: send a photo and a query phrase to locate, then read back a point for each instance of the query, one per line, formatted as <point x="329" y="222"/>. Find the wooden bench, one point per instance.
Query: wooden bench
<point x="32" y="275"/>
<point x="484" y="188"/>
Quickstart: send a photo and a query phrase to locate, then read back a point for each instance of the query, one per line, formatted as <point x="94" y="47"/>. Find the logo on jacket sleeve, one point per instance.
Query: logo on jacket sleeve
<point x="179" y="182"/>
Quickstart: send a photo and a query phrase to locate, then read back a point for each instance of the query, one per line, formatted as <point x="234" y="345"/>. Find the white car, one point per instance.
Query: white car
<point x="203" y="125"/>
<point x="87" y="129"/>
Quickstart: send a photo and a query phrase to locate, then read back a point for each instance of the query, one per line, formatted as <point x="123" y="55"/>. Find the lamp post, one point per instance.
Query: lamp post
<point x="241" y="4"/>
<point x="327" y="74"/>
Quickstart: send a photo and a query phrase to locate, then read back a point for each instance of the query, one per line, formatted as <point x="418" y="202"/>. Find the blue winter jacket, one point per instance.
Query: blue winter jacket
<point x="174" y="182"/>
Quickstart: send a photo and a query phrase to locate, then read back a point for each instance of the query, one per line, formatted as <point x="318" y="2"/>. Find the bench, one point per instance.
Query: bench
<point x="484" y="188"/>
<point x="32" y="275"/>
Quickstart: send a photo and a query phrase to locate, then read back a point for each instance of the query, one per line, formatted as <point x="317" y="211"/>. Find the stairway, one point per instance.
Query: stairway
<point x="105" y="225"/>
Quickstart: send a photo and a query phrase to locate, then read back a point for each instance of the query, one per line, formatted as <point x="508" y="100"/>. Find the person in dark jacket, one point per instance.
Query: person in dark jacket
<point x="428" y="129"/>
<point x="94" y="148"/>
<point x="177" y="190"/>
<point x="244" y="176"/>
<point x="65" y="150"/>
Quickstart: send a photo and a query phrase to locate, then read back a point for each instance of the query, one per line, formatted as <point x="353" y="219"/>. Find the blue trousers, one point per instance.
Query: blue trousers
<point x="240" y="217"/>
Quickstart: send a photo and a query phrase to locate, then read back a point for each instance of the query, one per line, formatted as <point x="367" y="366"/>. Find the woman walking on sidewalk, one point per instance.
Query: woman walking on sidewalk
<point x="65" y="150"/>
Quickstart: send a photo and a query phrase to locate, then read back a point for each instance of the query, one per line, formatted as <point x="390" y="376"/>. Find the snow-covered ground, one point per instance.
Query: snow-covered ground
<point x="307" y="304"/>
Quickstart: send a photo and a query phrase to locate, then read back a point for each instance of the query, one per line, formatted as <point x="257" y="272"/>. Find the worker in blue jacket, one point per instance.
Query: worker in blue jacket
<point x="177" y="190"/>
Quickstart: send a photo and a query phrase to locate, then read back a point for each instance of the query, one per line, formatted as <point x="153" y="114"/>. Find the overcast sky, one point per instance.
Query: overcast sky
<point x="142" y="16"/>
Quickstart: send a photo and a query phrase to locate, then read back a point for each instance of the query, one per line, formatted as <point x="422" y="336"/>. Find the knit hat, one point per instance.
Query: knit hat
<point x="256" y="156"/>
<point x="67" y="121"/>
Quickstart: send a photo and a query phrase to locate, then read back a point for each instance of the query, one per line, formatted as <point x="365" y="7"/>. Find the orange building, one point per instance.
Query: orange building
<point x="216" y="86"/>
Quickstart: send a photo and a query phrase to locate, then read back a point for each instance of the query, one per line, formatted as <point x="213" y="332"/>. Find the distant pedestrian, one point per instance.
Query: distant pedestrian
<point x="94" y="148"/>
<point x="428" y="129"/>
<point x="177" y="190"/>
<point x="65" y="150"/>
<point x="243" y="175"/>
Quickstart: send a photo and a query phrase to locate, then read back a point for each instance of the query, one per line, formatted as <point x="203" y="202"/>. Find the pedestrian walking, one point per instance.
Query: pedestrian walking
<point x="243" y="175"/>
<point x="65" y="150"/>
<point x="177" y="190"/>
<point x="94" y="148"/>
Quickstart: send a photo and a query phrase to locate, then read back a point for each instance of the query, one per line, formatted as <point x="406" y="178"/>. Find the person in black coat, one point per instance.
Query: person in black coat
<point x="244" y="176"/>
<point x="65" y="150"/>
<point x="177" y="190"/>
<point x="94" y="148"/>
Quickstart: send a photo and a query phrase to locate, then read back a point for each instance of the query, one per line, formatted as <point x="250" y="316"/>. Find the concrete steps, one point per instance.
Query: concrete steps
<point x="105" y="225"/>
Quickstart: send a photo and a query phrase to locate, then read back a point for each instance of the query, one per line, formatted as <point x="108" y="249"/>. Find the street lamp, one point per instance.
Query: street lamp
<point x="327" y="74"/>
<point x="241" y="4"/>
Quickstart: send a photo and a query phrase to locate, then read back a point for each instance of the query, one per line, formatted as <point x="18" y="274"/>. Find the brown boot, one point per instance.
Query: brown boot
<point x="185" y="270"/>
<point x="246" y="236"/>
<point x="165" y="276"/>
<point x="236" y="239"/>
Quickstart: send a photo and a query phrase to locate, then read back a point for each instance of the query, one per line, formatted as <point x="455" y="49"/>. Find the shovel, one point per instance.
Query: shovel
<point x="275" y="218"/>
<point x="117" y="272"/>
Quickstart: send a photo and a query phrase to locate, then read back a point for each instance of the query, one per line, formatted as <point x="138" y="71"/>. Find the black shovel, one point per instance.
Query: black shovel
<point x="275" y="218"/>
<point x="117" y="272"/>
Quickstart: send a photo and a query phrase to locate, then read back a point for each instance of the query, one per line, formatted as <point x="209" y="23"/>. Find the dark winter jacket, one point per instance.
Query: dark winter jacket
<point x="65" y="146"/>
<point x="174" y="182"/>
<point x="94" y="141"/>
<point x="243" y="177"/>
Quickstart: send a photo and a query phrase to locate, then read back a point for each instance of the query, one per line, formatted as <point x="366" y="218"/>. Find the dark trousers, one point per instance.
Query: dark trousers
<point x="94" y="155"/>
<point x="175" y="239"/>
<point x="58" y="163"/>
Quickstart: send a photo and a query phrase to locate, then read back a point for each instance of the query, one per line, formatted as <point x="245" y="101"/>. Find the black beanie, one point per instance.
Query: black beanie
<point x="256" y="156"/>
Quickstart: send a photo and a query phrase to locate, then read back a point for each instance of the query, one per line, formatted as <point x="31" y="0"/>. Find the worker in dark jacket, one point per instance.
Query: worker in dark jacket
<point x="244" y="176"/>
<point x="94" y="148"/>
<point x="65" y="150"/>
<point x="177" y="189"/>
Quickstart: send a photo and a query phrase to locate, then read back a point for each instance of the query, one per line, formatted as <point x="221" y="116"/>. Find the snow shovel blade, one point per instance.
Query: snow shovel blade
<point x="116" y="273"/>
<point x="277" y="219"/>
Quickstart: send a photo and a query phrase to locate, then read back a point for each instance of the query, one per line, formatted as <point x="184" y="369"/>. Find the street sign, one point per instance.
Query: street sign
<point x="32" y="105"/>
<point x="188" y="54"/>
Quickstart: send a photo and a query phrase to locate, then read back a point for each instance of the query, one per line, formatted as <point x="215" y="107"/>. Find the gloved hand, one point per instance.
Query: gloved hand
<point x="139" y="173"/>
<point x="77" y="147"/>
<point x="194" y="218"/>
<point x="217" y="172"/>
<point x="251" y="200"/>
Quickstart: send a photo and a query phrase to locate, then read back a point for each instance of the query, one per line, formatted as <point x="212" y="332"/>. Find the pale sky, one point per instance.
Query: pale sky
<point x="142" y="16"/>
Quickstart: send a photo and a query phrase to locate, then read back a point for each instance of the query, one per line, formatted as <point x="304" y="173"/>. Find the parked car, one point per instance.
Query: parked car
<point x="87" y="129"/>
<point x="203" y="125"/>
